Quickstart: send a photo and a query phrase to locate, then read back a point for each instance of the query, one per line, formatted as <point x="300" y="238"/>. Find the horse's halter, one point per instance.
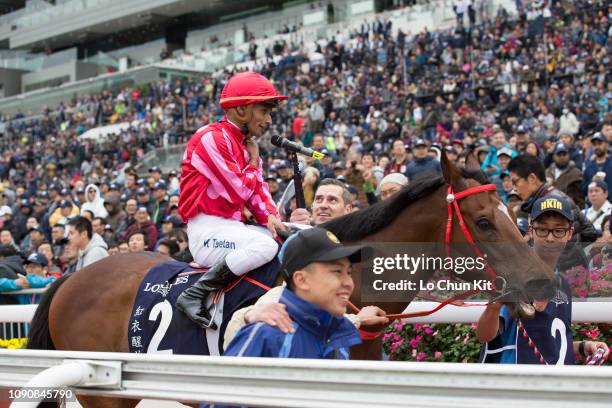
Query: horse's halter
<point x="452" y="200"/>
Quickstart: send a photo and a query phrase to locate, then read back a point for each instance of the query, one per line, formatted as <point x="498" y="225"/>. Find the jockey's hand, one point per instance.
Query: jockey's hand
<point x="372" y="315"/>
<point x="273" y="224"/>
<point x="252" y="148"/>
<point x="300" y="216"/>
<point x="274" y="314"/>
<point x="590" y="347"/>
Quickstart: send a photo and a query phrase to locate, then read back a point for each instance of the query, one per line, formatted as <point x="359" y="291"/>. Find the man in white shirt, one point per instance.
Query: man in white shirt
<point x="600" y="206"/>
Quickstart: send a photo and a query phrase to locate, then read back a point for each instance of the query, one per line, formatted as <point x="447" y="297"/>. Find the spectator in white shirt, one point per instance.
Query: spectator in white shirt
<point x="600" y="206"/>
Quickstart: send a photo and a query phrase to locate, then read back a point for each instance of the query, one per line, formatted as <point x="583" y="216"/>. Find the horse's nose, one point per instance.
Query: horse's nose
<point x="539" y="289"/>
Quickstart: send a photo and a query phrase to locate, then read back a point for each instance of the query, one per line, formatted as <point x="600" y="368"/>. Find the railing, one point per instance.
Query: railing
<point x="308" y="383"/>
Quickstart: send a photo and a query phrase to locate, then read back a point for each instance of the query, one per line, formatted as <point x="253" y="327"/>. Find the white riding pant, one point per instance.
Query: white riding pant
<point x="244" y="247"/>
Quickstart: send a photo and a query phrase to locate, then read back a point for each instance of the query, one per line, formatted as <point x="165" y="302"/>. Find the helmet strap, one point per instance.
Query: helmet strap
<point x="243" y="120"/>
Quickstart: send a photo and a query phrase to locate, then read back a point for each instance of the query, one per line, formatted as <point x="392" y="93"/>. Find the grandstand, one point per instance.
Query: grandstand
<point x="52" y="51"/>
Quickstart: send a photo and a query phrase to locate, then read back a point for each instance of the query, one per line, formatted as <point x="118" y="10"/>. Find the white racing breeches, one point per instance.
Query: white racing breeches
<point x="244" y="247"/>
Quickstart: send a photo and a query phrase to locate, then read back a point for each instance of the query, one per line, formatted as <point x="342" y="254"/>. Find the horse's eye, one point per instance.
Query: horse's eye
<point x="484" y="224"/>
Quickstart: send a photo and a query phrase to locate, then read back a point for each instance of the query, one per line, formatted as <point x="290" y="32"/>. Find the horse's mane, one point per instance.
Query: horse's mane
<point x="358" y="225"/>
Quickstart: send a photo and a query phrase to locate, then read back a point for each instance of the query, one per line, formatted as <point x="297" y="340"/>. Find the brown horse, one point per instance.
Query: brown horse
<point x="90" y="309"/>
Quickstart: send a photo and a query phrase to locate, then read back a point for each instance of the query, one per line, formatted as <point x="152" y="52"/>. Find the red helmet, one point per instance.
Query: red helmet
<point x="247" y="88"/>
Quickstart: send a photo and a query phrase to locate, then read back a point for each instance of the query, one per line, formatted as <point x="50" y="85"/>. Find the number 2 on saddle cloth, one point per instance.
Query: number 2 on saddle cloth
<point x="154" y="327"/>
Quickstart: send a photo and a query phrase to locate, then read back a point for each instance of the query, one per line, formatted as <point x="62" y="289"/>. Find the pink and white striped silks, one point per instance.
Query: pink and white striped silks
<point x="218" y="180"/>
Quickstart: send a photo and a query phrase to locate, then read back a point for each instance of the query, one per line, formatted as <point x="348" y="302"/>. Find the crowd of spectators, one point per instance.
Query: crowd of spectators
<point x="382" y="103"/>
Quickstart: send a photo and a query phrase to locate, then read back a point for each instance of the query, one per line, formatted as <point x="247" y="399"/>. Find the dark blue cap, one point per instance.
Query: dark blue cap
<point x="419" y="142"/>
<point x="80" y="190"/>
<point x="598" y="136"/>
<point x="142" y="191"/>
<point x="65" y="204"/>
<point x="141" y="182"/>
<point x="37" y="258"/>
<point x="160" y="185"/>
<point x="176" y="221"/>
<point x="65" y="191"/>
<point x="561" y="148"/>
<point x="521" y="129"/>
<point x="549" y="204"/>
<point x="317" y="245"/>
<point x="155" y="169"/>
<point x="284" y="164"/>
<point x="113" y="186"/>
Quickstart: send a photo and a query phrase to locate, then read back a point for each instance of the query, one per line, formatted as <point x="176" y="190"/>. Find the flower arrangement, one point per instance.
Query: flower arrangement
<point x="13" y="343"/>
<point x="590" y="282"/>
<point x="432" y="342"/>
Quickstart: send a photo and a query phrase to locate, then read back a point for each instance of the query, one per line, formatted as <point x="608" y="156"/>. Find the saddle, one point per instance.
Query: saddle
<point x="156" y="327"/>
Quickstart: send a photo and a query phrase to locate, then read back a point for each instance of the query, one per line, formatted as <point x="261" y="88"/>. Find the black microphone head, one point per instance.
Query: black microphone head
<point x="277" y="140"/>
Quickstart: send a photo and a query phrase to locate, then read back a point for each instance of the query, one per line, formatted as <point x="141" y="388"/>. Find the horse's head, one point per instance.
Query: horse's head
<point x="521" y="276"/>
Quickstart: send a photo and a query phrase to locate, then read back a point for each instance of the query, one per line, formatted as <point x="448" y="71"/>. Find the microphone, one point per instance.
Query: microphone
<point x="287" y="144"/>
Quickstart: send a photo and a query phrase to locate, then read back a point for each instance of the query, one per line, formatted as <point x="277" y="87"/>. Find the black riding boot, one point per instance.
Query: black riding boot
<point x="192" y="301"/>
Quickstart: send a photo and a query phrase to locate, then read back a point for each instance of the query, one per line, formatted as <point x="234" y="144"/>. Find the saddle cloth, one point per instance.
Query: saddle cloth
<point x="155" y="326"/>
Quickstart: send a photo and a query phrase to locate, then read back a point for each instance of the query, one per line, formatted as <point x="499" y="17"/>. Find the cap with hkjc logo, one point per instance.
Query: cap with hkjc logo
<point x="317" y="245"/>
<point x="550" y="204"/>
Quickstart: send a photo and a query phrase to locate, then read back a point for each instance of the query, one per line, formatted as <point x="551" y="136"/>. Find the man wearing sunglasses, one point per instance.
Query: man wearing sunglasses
<point x="550" y="329"/>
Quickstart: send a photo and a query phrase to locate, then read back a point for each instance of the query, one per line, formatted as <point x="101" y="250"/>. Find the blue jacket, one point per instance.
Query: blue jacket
<point x="491" y="160"/>
<point x="420" y="167"/>
<point x="591" y="167"/>
<point x="35" y="281"/>
<point x="317" y="334"/>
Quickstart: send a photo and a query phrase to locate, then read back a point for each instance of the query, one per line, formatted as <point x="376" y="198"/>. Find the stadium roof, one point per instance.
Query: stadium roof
<point x="107" y="18"/>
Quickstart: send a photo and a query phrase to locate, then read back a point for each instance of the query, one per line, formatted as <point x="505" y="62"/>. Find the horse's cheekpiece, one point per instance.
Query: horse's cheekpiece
<point x="156" y="327"/>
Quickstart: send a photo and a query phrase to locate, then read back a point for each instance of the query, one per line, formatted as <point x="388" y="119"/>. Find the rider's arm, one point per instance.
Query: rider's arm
<point x="215" y="160"/>
<point x="260" y="204"/>
<point x="488" y="324"/>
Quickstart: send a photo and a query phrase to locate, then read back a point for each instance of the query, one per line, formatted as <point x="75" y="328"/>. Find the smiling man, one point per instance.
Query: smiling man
<point x="317" y="270"/>
<point x="221" y="176"/>
<point x="332" y="200"/>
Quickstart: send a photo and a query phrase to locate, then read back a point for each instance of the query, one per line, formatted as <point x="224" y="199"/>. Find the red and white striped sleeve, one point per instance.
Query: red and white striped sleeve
<point x="261" y="204"/>
<point x="214" y="158"/>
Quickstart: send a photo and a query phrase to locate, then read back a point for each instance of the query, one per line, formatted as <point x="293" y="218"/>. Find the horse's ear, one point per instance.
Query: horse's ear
<point x="471" y="162"/>
<point x="450" y="172"/>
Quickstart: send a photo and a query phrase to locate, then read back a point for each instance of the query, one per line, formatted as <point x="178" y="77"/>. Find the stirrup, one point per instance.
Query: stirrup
<point x="211" y="321"/>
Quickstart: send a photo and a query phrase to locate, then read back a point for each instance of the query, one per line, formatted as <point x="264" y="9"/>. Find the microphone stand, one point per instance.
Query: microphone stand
<point x="297" y="181"/>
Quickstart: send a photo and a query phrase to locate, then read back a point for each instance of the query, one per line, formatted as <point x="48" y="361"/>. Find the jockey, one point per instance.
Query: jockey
<point x="221" y="175"/>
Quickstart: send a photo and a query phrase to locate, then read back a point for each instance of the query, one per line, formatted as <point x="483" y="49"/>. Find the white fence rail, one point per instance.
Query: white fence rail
<point x="594" y="312"/>
<point x="315" y="383"/>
